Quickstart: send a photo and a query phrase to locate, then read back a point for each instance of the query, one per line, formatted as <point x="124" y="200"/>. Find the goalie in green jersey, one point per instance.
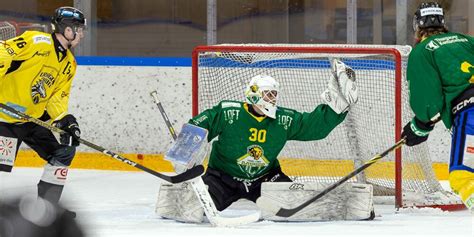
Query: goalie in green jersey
<point x="251" y="134"/>
<point x="441" y="75"/>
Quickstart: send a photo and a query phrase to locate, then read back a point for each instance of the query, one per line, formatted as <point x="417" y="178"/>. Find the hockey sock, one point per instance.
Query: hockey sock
<point x="467" y="194"/>
<point x="52" y="182"/>
<point x="50" y="192"/>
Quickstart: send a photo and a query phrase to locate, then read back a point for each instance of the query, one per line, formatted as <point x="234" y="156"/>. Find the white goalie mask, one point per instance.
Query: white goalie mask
<point x="262" y="91"/>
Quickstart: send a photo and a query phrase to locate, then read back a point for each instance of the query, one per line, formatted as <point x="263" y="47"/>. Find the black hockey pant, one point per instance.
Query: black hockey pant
<point x="225" y="189"/>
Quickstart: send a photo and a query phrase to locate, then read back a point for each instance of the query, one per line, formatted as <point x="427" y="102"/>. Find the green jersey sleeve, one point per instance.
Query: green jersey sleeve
<point x="426" y="95"/>
<point x="315" y="125"/>
<point x="209" y="119"/>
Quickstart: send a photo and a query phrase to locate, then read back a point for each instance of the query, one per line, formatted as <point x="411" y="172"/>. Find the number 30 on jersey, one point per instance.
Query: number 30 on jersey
<point x="258" y="135"/>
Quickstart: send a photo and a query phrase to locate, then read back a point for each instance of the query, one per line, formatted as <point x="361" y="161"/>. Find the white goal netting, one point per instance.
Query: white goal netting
<point x="373" y="124"/>
<point x="7" y="30"/>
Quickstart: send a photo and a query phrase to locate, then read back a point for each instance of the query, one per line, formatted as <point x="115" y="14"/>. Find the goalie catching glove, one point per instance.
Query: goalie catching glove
<point x="342" y="91"/>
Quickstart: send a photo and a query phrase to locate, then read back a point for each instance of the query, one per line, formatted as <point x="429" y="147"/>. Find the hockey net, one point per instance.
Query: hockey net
<point x="7" y="30"/>
<point x="10" y="29"/>
<point x="372" y="125"/>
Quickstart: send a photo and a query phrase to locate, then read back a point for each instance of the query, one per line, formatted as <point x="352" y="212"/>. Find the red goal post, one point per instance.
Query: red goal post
<point x="222" y="71"/>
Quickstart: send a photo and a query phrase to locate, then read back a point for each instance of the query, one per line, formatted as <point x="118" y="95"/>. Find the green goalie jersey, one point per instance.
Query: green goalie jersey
<point x="439" y="68"/>
<point x="247" y="146"/>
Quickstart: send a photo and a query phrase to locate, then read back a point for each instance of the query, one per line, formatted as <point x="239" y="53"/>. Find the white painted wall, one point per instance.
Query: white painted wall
<point x="115" y="110"/>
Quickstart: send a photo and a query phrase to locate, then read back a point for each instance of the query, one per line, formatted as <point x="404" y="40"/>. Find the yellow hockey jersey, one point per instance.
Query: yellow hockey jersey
<point x="36" y="74"/>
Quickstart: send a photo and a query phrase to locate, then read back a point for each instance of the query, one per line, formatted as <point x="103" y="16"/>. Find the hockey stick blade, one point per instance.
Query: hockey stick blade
<point x="192" y="173"/>
<point x="188" y="175"/>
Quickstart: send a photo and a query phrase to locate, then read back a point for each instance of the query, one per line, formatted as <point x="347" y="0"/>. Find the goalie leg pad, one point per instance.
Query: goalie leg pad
<point x="350" y="201"/>
<point x="179" y="202"/>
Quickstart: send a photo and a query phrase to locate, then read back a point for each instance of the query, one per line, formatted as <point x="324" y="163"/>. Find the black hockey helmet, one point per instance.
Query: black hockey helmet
<point x="429" y="14"/>
<point x="67" y="16"/>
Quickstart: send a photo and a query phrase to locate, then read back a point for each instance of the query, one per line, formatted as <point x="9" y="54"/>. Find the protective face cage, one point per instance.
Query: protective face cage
<point x="262" y="91"/>
<point x="428" y="15"/>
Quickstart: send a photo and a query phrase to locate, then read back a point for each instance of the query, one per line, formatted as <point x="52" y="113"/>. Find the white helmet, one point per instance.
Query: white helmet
<point x="262" y="91"/>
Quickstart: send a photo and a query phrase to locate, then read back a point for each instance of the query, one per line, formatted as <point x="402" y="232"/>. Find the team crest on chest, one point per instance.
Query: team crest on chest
<point x="254" y="161"/>
<point x="42" y="83"/>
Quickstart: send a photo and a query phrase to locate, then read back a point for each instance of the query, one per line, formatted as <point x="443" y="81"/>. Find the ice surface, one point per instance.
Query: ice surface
<point x="119" y="204"/>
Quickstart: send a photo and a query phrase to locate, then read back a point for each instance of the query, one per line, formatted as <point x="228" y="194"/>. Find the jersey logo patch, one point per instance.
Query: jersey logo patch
<point x="41" y="39"/>
<point x="9" y="49"/>
<point x="42" y="54"/>
<point x="230" y="104"/>
<point x="38" y="91"/>
<point x="254" y="162"/>
<point x="7" y="150"/>
<point x="468" y="156"/>
<point x="42" y="82"/>
<point x="432" y="46"/>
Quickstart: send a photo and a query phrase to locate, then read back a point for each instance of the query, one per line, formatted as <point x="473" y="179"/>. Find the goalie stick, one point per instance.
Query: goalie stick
<point x="284" y="212"/>
<point x="201" y="191"/>
<point x="189" y="174"/>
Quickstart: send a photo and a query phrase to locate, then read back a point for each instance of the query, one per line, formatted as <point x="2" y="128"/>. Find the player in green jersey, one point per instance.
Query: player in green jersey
<point x="441" y="75"/>
<point x="249" y="137"/>
<point x="251" y="134"/>
<point x="36" y="72"/>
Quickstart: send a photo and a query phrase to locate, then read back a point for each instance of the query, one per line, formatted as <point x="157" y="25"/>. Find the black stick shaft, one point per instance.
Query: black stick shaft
<point x="283" y="212"/>
<point x="191" y="173"/>
<point x="154" y="94"/>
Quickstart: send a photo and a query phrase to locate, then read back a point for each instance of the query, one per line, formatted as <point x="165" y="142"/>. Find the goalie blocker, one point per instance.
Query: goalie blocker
<point x="351" y="201"/>
<point x="189" y="201"/>
<point x="189" y="149"/>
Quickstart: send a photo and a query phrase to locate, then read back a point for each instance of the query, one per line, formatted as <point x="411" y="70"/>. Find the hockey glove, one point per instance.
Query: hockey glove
<point x="69" y="124"/>
<point x="346" y="78"/>
<point x="416" y="132"/>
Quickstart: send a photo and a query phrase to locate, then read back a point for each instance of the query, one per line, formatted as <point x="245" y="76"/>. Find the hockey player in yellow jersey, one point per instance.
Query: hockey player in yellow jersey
<point x="36" y="73"/>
